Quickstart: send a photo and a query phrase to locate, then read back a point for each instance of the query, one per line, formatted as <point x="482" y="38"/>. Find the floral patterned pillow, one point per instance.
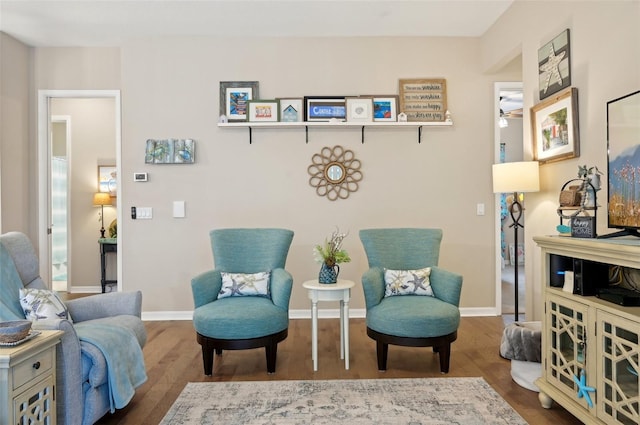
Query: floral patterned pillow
<point x="245" y="284"/>
<point x="41" y="304"/>
<point x="407" y="282"/>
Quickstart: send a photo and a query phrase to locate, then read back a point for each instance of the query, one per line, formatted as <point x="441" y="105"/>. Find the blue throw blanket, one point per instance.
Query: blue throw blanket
<point x="125" y="362"/>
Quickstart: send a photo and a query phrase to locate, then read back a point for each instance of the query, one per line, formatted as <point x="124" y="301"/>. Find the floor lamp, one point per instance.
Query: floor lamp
<point x="516" y="177"/>
<point x="100" y="199"/>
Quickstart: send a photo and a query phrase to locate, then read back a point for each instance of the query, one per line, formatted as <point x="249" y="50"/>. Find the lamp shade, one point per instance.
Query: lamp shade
<point x="516" y="177"/>
<point x="101" y="198"/>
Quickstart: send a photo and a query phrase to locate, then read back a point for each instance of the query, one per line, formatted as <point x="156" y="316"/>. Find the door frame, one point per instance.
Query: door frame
<point x="44" y="171"/>
<point x="499" y="87"/>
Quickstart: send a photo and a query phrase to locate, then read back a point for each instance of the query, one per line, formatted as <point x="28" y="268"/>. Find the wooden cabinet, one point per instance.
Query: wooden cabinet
<point x="590" y="336"/>
<point x="27" y="381"/>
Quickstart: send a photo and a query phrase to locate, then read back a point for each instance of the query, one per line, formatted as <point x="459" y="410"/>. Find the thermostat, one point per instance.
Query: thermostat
<point x="139" y="177"/>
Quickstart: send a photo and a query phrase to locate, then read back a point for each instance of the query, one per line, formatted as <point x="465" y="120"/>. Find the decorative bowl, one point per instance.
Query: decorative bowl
<point x="14" y="330"/>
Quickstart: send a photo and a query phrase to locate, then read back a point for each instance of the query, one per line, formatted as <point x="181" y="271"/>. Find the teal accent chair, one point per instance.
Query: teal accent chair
<point x="243" y="322"/>
<point x="409" y="320"/>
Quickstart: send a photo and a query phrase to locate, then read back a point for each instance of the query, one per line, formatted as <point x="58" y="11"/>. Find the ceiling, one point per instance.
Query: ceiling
<point x="112" y="22"/>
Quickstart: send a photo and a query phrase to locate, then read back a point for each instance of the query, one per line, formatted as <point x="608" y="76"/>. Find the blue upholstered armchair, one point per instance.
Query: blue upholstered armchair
<point x="232" y="312"/>
<point x="395" y="315"/>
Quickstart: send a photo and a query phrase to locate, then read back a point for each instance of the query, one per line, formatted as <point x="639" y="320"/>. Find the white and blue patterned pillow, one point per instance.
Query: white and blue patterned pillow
<point x="245" y="284"/>
<point x="41" y="304"/>
<point x="407" y="282"/>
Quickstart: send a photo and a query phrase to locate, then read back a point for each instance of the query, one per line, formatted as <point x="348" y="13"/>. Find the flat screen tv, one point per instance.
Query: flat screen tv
<point x="623" y="165"/>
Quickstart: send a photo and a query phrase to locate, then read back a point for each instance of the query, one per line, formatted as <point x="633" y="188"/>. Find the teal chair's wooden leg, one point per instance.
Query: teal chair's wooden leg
<point x="382" y="352"/>
<point x="271" y="351"/>
<point x="207" y="359"/>
<point x="445" y="355"/>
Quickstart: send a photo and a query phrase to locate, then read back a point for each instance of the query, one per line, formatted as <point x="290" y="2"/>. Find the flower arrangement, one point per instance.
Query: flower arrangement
<point x="331" y="252"/>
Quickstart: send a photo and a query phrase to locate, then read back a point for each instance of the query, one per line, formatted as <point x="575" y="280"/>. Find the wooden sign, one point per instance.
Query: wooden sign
<point x="423" y="99"/>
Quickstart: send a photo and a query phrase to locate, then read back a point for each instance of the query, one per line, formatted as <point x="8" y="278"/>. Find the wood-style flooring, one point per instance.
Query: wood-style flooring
<point x="173" y="358"/>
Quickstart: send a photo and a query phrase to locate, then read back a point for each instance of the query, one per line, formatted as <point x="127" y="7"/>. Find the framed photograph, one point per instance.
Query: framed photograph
<point x="108" y="180"/>
<point x="385" y="108"/>
<point x="234" y="96"/>
<point x="291" y="109"/>
<point x="554" y="127"/>
<point x="554" y="65"/>
<point x="170" y="151"/>
<point x="359" y="109"/>
<point x="263" y="110"/>
<point x="423" y="99"/>
<point x="324" y="108"/>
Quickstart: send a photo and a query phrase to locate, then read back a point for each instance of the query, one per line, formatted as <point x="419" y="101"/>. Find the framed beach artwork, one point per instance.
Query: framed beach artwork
<point x="385" y="108"/>
<point x="554" y="65"/>
<point x="359" y="109"/>
<point x="234" y="97"/>
<point x="263" y="111"/>
<point x="291" y="109"/>
<point x="108" y="180"/>
<point x="555" y="127"/>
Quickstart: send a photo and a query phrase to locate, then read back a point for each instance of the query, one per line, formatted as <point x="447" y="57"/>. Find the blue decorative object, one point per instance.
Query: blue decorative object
<point x="583" y="389"/>
<point x="328" y="274"/>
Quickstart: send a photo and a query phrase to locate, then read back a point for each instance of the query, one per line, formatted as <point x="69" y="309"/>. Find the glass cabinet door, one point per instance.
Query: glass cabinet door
<point x="618" y="388"/>
<point x="566" y="346"/>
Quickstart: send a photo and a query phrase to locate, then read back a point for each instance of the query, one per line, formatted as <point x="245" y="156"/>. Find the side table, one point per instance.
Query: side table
<point x="27" y="380"/>
<point x="106" y="245"/>
<point x="340" y="291"/>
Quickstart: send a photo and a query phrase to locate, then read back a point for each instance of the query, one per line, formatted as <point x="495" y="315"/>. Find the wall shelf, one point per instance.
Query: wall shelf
<point x="325" y="124"/>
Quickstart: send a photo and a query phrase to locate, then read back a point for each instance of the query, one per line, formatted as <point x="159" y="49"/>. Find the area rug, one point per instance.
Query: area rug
<point x="421" y="401"/>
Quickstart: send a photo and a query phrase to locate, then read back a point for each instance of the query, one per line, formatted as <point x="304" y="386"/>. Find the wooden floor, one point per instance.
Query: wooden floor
<point x="173" y="358"/>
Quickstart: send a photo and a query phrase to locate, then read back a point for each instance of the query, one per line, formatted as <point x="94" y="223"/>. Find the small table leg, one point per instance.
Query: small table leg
<point x="314" y="334"/>
<point x="345" y="332"/>
<point x="341" y="329"/>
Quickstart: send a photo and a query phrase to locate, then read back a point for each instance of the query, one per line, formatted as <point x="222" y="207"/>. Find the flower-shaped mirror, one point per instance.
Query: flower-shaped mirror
<point x="335" y="173"/>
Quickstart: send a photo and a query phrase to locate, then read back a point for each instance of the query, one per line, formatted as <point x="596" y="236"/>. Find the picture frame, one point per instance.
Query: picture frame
<point x="423" y="99"/>
<point x="324" y="108"/>
<point x="108" y="180"/>
<point x="555" y="127"/>
<point x="263" y="110"/>
<point x="170" y="151"/>
<point x="554" y="65"/>
<point x="385" y="108"/>
<point x="234" y="96"/>
<point x="291" y="109"/>
<point x="359" y="109"/>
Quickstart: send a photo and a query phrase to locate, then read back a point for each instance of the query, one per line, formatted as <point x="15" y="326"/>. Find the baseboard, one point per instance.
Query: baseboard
<point x="356" y="313"/>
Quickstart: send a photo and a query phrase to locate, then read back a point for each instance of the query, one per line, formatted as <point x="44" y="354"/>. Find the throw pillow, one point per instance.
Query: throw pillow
<point x="245" y="284"/>
<point x="407" y="282"/>
<point x="40" y="304"/>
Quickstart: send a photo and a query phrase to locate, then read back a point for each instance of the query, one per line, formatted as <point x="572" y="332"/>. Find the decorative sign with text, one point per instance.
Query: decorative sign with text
<point x="423" y="99"/>
<point x="583" y="227"/>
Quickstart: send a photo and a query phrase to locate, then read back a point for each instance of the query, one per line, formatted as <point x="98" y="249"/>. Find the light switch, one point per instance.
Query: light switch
<point x="144" y="213"/>
<point x="480" y="209"/>
<point x="178" y="209"/>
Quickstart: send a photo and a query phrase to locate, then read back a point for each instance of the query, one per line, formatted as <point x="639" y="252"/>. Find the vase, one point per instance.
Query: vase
<point x="328" y="274"/>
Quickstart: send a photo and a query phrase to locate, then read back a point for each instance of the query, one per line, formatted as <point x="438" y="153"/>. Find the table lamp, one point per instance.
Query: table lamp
<point x="516" y="177"/>
<point x="101" y="199"/>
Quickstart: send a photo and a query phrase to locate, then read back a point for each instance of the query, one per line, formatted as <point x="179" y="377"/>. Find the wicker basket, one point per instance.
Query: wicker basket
<point x="14" y="331"/>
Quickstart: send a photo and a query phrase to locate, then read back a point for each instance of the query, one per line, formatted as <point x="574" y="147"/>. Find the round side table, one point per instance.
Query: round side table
<point x="340" y="291"/>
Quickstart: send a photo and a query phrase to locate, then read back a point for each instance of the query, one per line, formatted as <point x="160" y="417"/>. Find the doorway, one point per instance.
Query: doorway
<point x="60" y="143"/>
<point x="69" y="228"/>
<point x="508" y="148"/>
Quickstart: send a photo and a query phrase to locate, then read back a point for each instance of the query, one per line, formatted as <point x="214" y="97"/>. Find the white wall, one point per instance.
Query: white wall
<point x="605" y="55"/>
<point x="170" y="89"/>
<point x="15" y="171"/>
